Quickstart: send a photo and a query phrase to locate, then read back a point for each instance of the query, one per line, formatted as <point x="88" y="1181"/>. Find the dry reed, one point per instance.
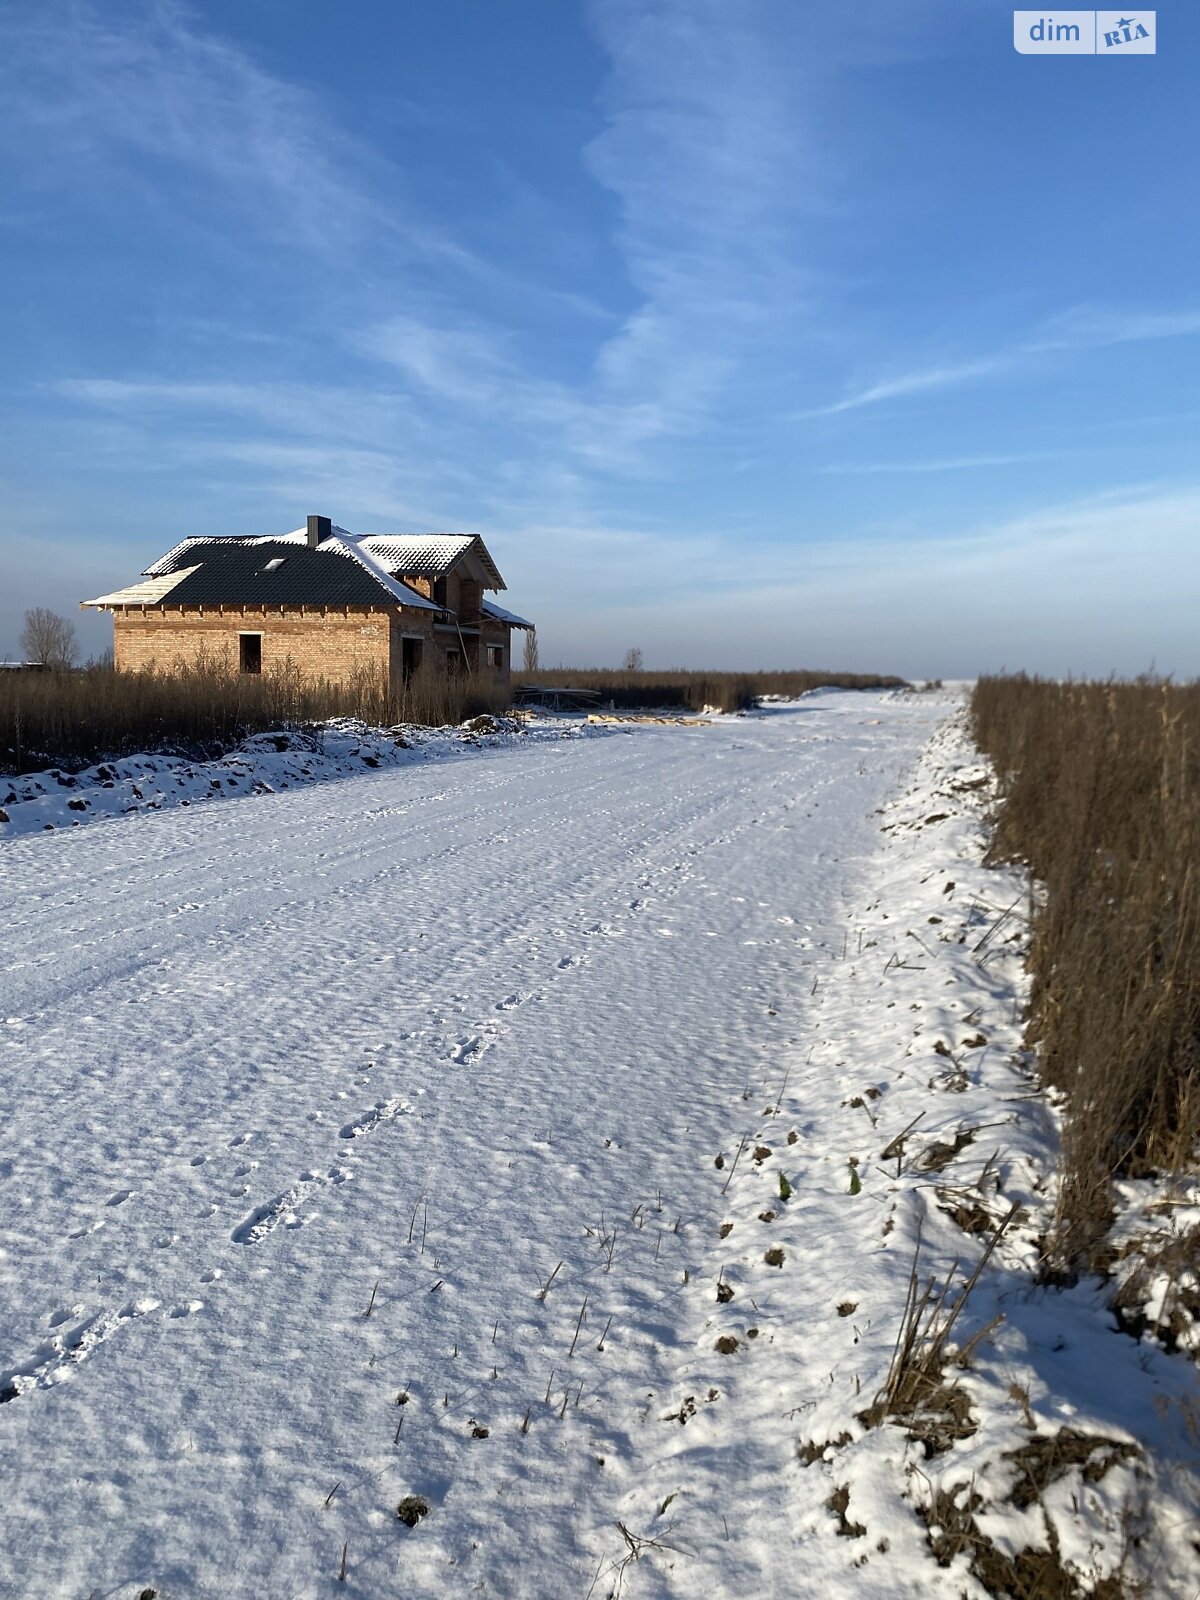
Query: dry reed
<point x="1100" y="798"/>
<point x="70" y="719"/>
<point x="694" y="691"/>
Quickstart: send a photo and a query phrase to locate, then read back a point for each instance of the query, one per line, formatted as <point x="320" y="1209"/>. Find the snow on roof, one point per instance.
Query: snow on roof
<point x="357" y="551"/>
<point x="427" y="555"/>
<point x="270" y="572"/>
<point x="297" y="536"/>
<point x="148" y="593"/>
<point x="498" y="614"/>
<point x="418" y="555"/>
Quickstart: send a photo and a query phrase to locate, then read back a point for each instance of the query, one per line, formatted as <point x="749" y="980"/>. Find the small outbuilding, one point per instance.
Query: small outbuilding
<point x="322" y="601"/>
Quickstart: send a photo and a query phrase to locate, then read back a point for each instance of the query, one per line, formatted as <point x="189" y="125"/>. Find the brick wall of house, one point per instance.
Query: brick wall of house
<point x="332" y="644"/>
<point x="449" y="589"/>
<point x="470" y="600"/>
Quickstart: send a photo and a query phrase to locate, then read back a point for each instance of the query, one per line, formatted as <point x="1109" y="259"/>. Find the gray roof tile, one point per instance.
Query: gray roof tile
<point x="275" y="572"/>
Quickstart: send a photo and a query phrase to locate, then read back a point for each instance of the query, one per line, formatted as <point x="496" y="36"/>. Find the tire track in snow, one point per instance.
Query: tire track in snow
<point x="77" y="966"/>
<point x="470" y="1047"/>
<point x="314" y="1007"/>
<point x="661" y="866"/>
<point x="293" y="853"/>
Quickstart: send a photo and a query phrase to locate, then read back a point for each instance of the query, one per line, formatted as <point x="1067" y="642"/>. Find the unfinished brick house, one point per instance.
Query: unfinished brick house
<point x="321" y="600"/>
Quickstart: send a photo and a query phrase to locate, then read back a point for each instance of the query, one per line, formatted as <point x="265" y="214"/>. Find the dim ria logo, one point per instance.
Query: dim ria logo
<point x="1084" y="33"/>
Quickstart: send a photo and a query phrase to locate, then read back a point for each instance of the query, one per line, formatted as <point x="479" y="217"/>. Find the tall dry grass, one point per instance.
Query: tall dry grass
<point x="70" y="719"/>
<point x="693" y="691"/>
<point x="1100" y="797"/>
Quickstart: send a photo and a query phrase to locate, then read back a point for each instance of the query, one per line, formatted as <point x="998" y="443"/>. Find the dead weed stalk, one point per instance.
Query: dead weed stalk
<point x="916" y="1392"/>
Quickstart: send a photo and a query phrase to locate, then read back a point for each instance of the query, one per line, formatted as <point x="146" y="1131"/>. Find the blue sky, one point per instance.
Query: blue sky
<point x="748" y="333"/>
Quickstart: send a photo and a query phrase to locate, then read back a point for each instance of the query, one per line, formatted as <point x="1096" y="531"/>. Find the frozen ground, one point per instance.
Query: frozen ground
<point x="430" y="1085"/>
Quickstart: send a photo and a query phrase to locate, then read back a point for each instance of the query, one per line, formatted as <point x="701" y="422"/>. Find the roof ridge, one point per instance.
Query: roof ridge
<point x="359" y="547"/>
<point x="396" y="589"/>
<point x="443" y="543"/>
<point x="176" y="565"/>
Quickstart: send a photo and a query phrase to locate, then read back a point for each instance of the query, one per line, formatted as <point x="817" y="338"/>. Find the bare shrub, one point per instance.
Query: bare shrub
<point x="48" y="639"/>
<point x="917" y="1393"/>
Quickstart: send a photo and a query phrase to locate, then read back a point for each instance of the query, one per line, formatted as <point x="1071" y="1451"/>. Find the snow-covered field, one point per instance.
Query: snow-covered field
<point x="265" y="763"/>
<point x="421" y="1140"/>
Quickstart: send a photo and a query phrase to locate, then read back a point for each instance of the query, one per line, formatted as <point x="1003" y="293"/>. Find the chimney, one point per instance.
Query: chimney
<point x="319" y="529"/>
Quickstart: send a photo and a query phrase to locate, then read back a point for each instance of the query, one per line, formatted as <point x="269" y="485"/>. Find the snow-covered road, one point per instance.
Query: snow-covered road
<point x="304" y="1097"/>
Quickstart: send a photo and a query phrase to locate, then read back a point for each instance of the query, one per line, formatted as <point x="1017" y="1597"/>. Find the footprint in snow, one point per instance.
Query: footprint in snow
<point x="119" y="1197"/>
<point x="54" y="1358"/>
<point x="470" y="1049"/>
<point x="381" y="1111"/>
<point x="265" y="1218"/>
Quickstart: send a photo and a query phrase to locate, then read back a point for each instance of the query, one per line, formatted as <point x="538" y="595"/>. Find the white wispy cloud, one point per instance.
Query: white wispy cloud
<point x="922" y="380"/>
<point x="947" y="464"/>
<point x="471" y="367"/>
<point x="1090" y="325"/>
<point x="1094" y="585"/>
<point x="312" y="410"/>
<point x="1077" y="328"/>
<point x="345" y="448"/>
<point x="92" y="91"/>
<point x="706" y="162"/>
<point x="709" y="163"/>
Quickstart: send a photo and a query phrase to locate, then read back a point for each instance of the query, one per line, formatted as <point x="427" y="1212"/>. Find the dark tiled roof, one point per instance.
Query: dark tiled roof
<point x="345" y="569"/>
<point x="498" y="614"/>
<point x="279" y="573"/>
<point x="413" y="555"/>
